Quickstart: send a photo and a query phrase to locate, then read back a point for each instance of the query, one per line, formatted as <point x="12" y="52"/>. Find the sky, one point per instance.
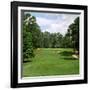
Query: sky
<point x="53" y="22"/>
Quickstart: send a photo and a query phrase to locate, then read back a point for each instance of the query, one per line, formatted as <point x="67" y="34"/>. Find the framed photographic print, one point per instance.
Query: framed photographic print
<point x="48" y="44"/>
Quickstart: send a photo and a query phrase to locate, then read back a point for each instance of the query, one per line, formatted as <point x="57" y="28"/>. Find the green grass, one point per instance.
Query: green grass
<point x="51" y="61"/>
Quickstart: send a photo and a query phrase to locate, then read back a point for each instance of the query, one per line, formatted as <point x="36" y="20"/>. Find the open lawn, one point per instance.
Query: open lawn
<point x="51" y="61"/>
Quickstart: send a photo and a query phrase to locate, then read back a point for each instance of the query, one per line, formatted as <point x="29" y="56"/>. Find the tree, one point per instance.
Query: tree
<point x="46" y="39"/>
<point x="66" y="41"/>
<point x="32" y="36"/>
<point x="36" y="33"/>
<point x="74" y="33"/>
<point x="27" y="45"/>
<point x="28" y="52"/>
<point x="53" y="40"/>
<point x="59" y="40"/>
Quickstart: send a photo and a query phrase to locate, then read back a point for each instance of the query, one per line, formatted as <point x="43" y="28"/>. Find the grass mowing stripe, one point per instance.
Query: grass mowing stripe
<point x="51" y="61"/>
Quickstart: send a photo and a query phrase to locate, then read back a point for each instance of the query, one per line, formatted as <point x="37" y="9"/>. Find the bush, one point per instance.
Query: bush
<point x="28" y="51"/>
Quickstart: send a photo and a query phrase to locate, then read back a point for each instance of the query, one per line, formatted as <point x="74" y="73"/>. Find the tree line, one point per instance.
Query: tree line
<point x="34" y="38"/>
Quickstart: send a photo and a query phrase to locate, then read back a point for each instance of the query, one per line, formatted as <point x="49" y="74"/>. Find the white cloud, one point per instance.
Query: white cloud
<point x="60" y="24"/>
<point x="43" y="21"/>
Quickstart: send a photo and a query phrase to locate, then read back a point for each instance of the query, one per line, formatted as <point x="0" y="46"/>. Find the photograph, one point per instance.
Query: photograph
<point x="50" y="43"/>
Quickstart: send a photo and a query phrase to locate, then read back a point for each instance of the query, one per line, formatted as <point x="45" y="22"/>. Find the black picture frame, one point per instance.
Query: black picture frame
<point x="14" y="44"/>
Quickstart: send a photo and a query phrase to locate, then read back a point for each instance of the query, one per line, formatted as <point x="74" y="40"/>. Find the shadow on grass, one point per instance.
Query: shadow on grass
<point x="67" y="55"/>
<point x="26" y="61"/>
<point x="70" y="58"/>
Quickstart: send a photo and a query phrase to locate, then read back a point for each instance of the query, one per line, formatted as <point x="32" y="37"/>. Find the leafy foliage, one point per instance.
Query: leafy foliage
<point x="74" y="33"/>
<point x="28" y="52"/>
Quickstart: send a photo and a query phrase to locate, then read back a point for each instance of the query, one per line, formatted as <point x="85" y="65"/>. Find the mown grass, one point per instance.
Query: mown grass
<point x="51" y="61"/>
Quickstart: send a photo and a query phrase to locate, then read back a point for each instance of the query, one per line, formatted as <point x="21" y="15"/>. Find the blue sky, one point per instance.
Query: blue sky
<point x="53" y="22"/>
